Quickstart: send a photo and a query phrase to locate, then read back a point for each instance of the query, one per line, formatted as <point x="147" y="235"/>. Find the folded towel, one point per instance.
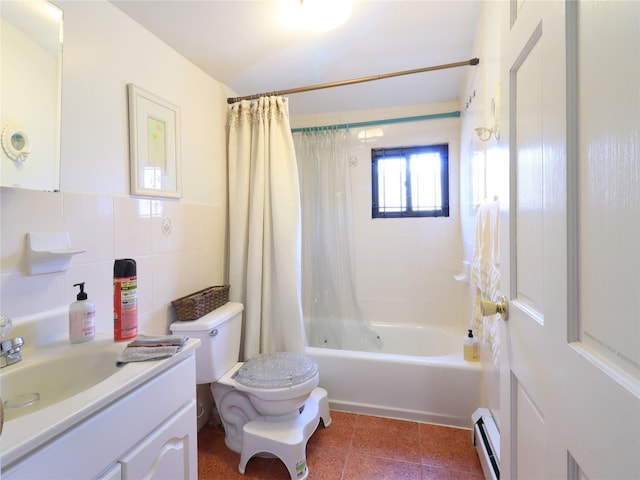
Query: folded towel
<point x="147" y="340"/>
<point x="148" y="347"/>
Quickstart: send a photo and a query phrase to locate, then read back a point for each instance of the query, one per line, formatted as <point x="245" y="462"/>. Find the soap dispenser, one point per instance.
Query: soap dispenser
<point x="471" y="347"/>
<point x="82" y="316"/>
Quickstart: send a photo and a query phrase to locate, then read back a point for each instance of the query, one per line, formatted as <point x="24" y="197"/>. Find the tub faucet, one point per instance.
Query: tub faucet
<point x="9" y="349"/>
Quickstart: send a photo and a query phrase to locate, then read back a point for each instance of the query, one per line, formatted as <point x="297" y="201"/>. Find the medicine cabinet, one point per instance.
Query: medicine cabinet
<point x="31" y="66"/>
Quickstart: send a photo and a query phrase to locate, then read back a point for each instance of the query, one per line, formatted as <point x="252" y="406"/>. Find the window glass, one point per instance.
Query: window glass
<point x="392" y="181"/>
<point x="410" y="181"/>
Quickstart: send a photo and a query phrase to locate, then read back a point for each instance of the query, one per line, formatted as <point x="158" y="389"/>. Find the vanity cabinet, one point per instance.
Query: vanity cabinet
<point x="150" y="432"/>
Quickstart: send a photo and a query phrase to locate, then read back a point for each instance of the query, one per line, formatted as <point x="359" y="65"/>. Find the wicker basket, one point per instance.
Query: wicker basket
<point x="199" y="303"/>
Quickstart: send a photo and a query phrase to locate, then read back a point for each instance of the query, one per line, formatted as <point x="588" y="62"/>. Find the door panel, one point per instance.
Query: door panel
<point x="530" y="435"/>
<point x="570" y="372"/>
<point x="609" y="107"/>
<point x="526" y="84"/>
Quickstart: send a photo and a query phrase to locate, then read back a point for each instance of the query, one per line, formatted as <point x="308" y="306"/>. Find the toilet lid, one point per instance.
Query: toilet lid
<point x="276" y="370"/>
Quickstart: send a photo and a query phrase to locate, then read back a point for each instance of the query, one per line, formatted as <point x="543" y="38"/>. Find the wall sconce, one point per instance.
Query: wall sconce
<point x="485" y="133"/>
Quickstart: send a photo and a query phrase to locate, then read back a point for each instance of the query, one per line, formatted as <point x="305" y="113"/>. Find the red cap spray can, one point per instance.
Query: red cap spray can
<point x="125" y="299"/>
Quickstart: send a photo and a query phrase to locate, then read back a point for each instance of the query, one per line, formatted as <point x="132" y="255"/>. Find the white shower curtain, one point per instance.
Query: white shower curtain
<point x="264" y="226"/>
<point x="328" y="285"/>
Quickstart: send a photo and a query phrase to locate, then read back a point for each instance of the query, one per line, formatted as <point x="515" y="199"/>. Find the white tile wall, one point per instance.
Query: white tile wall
<point x="187" y="258"/>
<point x="179" y="245"/>
<point x="132" y="232"/>
<point x="492" y="155"/>
<point x="404" y="267"/>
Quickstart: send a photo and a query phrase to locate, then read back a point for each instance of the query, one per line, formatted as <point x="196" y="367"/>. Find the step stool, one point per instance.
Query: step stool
<point x="287" y="440"/>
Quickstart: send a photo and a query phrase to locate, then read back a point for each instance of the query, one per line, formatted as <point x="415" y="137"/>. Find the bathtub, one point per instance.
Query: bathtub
<point x="419" y="374"/>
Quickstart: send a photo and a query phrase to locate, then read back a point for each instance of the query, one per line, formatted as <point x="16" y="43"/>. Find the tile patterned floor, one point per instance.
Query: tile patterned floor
<point x="356" y="447"/>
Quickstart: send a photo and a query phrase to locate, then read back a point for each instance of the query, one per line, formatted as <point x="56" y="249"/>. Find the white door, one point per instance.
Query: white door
<point x="570" y="377"/>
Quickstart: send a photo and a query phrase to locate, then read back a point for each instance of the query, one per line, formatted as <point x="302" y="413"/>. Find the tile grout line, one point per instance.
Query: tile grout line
<point x="360" y="427"/>
<point x="349" y="447"/>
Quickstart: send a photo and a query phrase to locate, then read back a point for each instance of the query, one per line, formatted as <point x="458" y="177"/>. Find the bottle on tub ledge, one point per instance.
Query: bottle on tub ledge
<point x="125" y="299"/>
<point x="471" y="347"/>
<point x="82" y="317"/>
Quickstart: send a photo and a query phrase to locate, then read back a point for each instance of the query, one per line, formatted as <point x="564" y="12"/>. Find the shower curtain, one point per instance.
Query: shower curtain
<point x="328" y="284"/>
<point x="264" y="226"/>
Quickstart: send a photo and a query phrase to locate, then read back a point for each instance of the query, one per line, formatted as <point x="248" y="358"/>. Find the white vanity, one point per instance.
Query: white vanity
<point x="131" y="422"/>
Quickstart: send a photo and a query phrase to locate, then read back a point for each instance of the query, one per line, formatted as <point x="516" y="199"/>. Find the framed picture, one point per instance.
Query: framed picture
<point x="154" y="145"/>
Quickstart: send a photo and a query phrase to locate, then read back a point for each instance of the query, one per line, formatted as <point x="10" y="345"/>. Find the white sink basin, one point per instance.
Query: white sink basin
<point x="47" y="376"/>
<point x="73" y="382"/>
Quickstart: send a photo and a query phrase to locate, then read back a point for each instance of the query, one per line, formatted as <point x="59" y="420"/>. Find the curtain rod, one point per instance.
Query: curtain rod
<point x="473" y="61"/>
<point x="371" y="123"/>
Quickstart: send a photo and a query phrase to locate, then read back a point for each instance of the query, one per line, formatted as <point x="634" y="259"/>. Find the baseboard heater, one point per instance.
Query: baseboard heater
<point x="486" y="439"/>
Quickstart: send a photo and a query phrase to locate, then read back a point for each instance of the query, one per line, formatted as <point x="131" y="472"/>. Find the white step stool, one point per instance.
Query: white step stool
<point x="287" y="440"/>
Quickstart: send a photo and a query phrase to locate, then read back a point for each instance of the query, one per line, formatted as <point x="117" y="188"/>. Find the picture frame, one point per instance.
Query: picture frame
<point x="154" y="145"/>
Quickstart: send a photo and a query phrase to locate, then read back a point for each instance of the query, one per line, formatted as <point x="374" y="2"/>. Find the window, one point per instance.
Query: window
<point x="410" y="181"/>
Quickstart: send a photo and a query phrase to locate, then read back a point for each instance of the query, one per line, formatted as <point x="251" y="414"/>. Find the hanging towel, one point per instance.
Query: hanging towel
<point x="151" y="347"/>
<point x="485" y="275"/>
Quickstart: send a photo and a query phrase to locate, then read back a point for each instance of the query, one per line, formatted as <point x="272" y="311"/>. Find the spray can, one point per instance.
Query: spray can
<point x="125" y="299"/>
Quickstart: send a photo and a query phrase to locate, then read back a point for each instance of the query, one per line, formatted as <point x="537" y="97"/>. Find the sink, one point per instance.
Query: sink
<point x="57" y="385"/>
<point x="49" y="375"/>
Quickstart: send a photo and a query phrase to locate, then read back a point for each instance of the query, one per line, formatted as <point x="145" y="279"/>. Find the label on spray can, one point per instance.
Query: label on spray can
<point x="125" y="300"/>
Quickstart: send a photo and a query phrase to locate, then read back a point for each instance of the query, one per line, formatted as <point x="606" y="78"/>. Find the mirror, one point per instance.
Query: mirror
<point x="31" y="81"/>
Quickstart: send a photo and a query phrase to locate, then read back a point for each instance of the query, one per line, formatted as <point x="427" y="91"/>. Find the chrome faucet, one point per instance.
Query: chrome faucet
<point x="9" y="349"/>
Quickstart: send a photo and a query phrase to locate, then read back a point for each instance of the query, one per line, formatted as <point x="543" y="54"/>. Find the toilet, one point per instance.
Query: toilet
<point x="270" y="404"/>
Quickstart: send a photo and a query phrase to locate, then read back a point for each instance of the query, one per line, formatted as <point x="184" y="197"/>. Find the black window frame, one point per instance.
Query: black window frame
<point x="406" y="152"/>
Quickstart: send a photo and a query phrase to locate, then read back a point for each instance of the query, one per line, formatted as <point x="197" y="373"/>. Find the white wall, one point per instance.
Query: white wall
<point x="480" y="86"/>
<point x="104" y="50"/>
<point x="415" y="282"/>
<point x="404" y="267"/>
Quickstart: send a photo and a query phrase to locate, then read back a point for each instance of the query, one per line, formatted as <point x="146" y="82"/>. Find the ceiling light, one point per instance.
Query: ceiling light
<point x="315" y="15"/>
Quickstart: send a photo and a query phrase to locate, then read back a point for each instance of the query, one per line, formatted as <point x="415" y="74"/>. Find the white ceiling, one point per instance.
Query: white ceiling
<point x="242" y="44"/>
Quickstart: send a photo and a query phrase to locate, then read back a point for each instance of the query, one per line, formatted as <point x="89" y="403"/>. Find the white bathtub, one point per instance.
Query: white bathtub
<point x="419" y="375"/>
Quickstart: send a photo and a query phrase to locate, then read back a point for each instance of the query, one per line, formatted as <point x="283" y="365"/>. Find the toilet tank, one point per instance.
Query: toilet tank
<point x="219" y="334"/>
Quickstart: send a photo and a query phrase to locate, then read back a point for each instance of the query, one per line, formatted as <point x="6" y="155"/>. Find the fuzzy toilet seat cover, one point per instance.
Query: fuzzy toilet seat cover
<point x="276" y="370"/>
